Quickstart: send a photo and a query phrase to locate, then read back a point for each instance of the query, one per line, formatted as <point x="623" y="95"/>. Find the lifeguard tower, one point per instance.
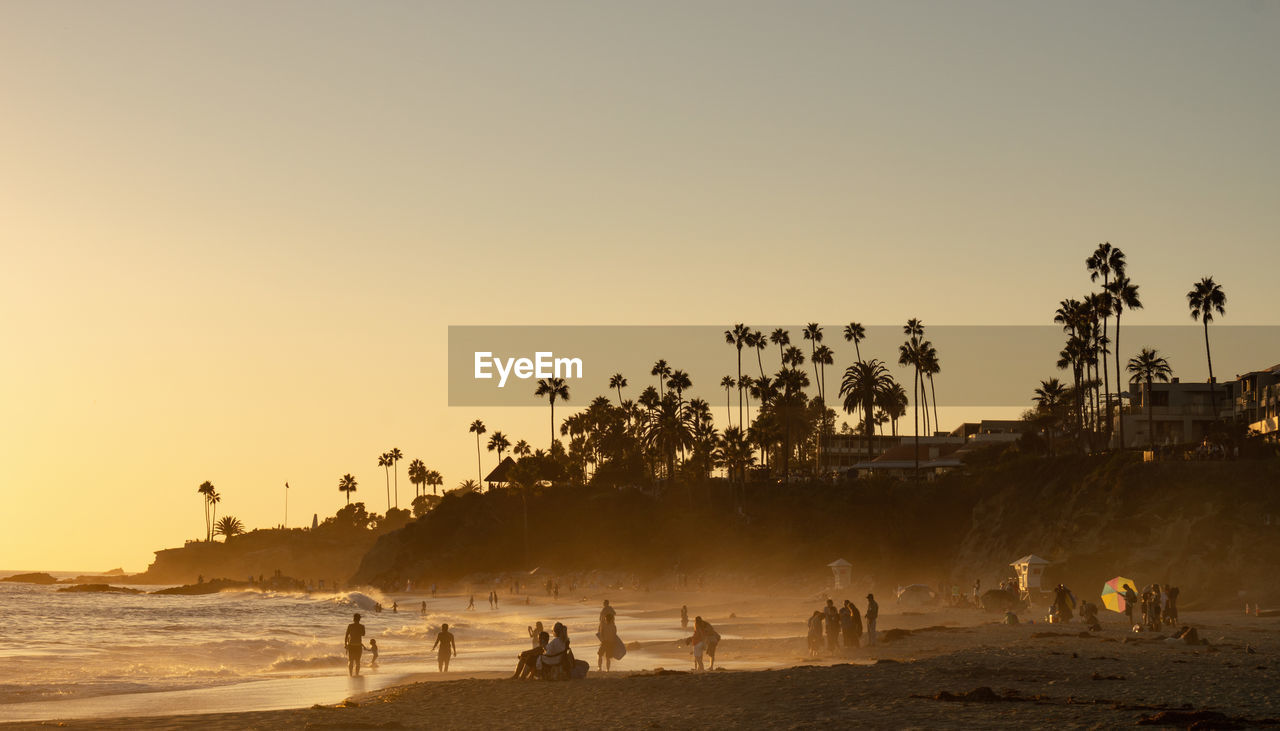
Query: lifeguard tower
<point x="842" y="571"/>
<point x="1030" y="570"/>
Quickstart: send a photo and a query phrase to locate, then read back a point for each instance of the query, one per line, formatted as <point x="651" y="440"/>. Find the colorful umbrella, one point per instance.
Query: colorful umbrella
<point x="1113" y="594"/>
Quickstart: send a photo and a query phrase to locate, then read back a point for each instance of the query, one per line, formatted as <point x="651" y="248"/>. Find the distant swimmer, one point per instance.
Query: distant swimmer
<point x="395" y="607"/>
<point x="354" y="642"/>
<point x="447" y="647"/>
<point x="373" y="648"/>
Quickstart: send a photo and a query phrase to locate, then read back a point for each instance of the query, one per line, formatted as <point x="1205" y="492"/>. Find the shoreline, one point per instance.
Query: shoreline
<point x="1037" y="674"/>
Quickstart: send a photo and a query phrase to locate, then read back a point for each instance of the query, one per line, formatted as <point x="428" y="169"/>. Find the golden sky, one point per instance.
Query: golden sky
<point x="234" y="234"/>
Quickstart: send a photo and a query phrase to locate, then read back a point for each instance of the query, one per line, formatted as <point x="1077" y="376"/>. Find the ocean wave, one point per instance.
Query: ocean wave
<point x="308" y="663"/>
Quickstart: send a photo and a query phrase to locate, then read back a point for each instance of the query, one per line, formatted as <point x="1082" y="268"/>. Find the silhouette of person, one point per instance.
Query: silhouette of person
<point x="447" y="648"/>
<point x="354" y="642"/>
<point x="373" y="648"/>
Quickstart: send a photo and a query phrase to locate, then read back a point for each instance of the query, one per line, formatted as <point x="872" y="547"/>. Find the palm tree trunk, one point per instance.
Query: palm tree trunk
<point x="1151" y="419"/>
<point x="1213" y="387"/>
<point x="1119" y="401"/>
<point x="479" y="475"/>
<point x="553" y="418"/>
<point x="934" y="395"/>
<point x="1106" y="383"/>
<point x="386" y="472"/>
<point x="915" y="388"/>
<point x="739" y="390"/>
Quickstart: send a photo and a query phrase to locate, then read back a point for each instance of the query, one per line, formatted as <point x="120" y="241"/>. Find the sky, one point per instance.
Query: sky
<point x="234" y="234"/>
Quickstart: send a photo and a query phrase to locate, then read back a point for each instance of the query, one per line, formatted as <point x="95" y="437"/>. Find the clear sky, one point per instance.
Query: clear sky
<point x="234" y="233"/>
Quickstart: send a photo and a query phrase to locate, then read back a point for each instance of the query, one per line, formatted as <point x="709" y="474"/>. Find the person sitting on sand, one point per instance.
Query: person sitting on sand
<point x="373" y="649"/>
<point x="354" y="642"/>
<point x="608" y="638"/>
<point x="448" y="648"/>
<point x="557" y="657"/>
<point x="815" y="633"/>
<point x="1089" y="615"/>
<point x="528" y="660"/>
<point x="873" y="612"/>
<point x="1010" y="617"/>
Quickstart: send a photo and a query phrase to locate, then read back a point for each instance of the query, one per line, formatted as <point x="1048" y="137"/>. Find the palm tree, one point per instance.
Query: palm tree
<point x="555" y="388"/>
<point x="737" y="336"/>
<point x="758" y="341"/>
<point x="468" y="486"/>
<point x="661" y="370"/>
<point x="418" y="476"/>
<point x="679" y="382"/>
<point x="909" y="354"/>
<point x="394" y="456"/>
<point x="477" y="427"/>
<point x="780" y="338"/>
<point x="863" y="384"/>
<point x="930" y="367"/>
<point x="813" y="333"/>
<point x="823" y="357"/>
<point x="618" y="381"/>
<point x="894" y="404"/>
<point x="347" y="485"/>
<point x="384" y="461"/>
<point x="498" y="442"/>
<point x="1147" y="367"/>
<point x="214" y="499"/>
<point x="728" y="384"/>
<point x="206" y="490"/>
<point x="1105" y="261"/>
<point x="434" y="479"/>
<point x="228" y="526"/>
<point x="1049" y="397"/>
<point x="667" y="431"/>
<point x="1206" y="298"/>
<point x="1124" y="295"/>
<point x="855" y="333"/>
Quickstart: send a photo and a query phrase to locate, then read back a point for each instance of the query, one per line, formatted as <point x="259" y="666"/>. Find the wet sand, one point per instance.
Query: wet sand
<point x="1027" y="674"/>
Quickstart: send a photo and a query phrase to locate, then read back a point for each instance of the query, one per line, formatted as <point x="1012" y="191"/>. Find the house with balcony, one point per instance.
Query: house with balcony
<point x="1257" y="400"/>
<point x="1178" y="413"/>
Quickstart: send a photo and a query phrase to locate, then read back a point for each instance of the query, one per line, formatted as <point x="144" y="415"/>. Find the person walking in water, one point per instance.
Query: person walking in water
<point x="447" y="647"/>
<point x="608" y="638"/>
<point x="354" y="642"/>
<point x="472" y="603"/>
<point x="373" y="649"/>
<point x="873" y="611"/>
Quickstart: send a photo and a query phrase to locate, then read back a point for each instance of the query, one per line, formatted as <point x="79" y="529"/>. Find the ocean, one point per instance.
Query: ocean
<point x="78" y="655"/>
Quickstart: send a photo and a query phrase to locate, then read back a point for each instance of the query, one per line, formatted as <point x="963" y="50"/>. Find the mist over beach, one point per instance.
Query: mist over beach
<point x="858" y="364"/>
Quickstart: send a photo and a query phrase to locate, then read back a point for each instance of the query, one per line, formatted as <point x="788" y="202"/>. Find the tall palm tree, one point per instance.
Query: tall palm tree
<point x="435" y="480"/>
<point x="1124" y="296"/>
<point x="384" y="461"/>
<point x="498" y="442"/>
<point x="758" y="341"/>
<point x="813" y="333"/>
<point x="823" y="357"/>
<point x="618" y="381"/>
<point x="728" y="384"/>
<point x="855" y="333"/>
<point x="418" y="476"/>
<point x="1147" y="367"/>
<point x="395" y="455"/>
<point x="909" y="354"/>
<point x="781" y="338"/>
<point x="661" y="370"/>
<point x="1206" y="298"/>
<point x="522" y="449"/>
<point x="477" y="427"/>
<point x="347" y="485"/>
<point x="930" y="366"/>
<point x="1105" y="261"/>
<point x="737" y="336"/>
<point x="206" y="490"/>
<point x="556" y="388"/>
<point x="679" y="382"/>
<point x="214" y="499"/>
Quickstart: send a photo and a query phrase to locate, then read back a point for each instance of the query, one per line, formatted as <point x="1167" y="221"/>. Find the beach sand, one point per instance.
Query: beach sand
<point x="1037" y="674"/>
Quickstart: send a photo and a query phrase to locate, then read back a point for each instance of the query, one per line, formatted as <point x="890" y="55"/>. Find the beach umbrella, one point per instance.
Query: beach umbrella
<point x="1113" y="593"/>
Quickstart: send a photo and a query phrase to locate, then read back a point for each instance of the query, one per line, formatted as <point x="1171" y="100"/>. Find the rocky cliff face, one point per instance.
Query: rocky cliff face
<point x="1212" y="528"/>
<point x="308" y="555"/>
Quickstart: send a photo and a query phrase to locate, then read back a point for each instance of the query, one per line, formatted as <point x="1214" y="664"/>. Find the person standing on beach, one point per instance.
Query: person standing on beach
<point x="606" y="611"/>
<point x="471" y="603"/>
<point x="447" y="647"/>
<point x="832" y="617"/>
<point x="853" y="636"/>
<point x="815" y="633"/>
<point x="1130" y="599"/>
<point x="354" y="642"/>
<point x="873" y="611"/>
<point x="608" y="638"/>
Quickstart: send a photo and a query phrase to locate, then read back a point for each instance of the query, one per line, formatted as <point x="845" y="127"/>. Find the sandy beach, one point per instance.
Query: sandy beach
<point x="934" y="668"/>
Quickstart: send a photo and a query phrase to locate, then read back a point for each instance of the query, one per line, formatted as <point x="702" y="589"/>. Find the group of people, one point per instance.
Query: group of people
<point x="845" y="621"/>
<point x="551" y="656"/>
<point x="353" y="641"/>
<point x="1156" y="606"/>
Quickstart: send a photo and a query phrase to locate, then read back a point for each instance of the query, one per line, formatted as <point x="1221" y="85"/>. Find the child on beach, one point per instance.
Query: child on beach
<point x="373" y="649"/>
<point x="444" y="641"/>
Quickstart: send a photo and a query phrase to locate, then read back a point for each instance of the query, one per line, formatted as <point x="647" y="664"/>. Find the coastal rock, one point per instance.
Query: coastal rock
<point x="33" y="578"/>
<point x="99" y="588"/>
